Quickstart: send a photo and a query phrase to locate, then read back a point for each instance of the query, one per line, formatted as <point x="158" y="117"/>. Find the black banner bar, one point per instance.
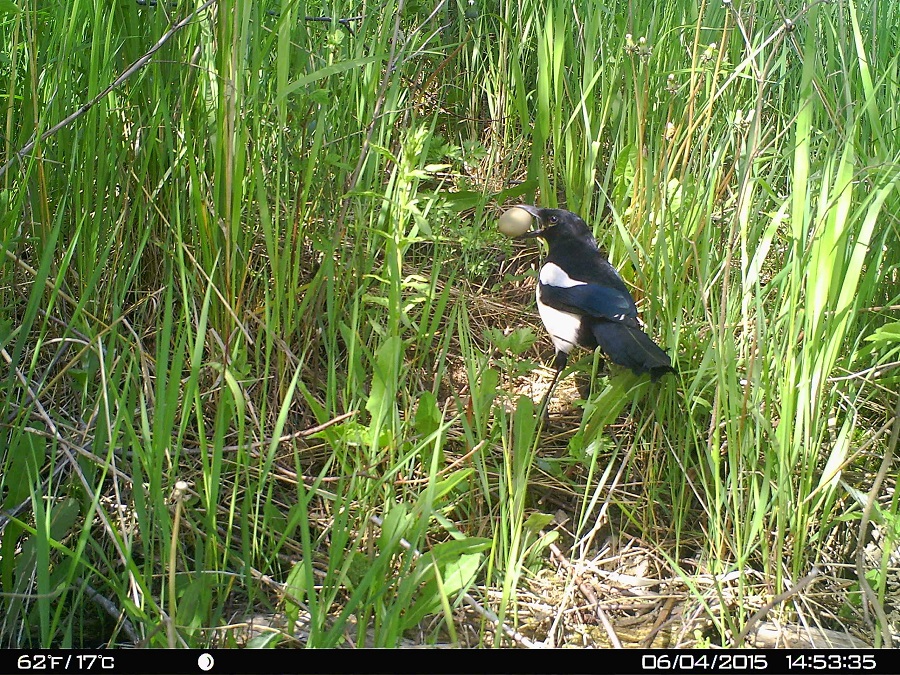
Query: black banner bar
<point x="569" y="661"/>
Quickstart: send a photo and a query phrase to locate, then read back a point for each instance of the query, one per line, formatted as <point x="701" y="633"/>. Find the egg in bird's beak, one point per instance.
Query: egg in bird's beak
<point x="535" y="213"/>
<point x="516" y="221"/>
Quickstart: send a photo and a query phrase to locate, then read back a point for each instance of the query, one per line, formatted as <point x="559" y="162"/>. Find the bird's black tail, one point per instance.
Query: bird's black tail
<point x="630" y="347"/>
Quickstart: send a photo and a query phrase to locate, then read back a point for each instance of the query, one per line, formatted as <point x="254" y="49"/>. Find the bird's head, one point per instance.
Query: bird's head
<point x="557" y="226"/>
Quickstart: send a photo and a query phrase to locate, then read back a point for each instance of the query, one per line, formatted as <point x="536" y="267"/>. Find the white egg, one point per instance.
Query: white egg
<point x="514" y="222"/>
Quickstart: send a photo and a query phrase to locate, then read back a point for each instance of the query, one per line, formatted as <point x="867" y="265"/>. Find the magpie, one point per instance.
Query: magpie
<point x="583" y="301"/>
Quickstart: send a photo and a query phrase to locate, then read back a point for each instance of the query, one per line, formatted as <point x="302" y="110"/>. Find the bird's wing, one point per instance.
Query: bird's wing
<point x="588" y="299"/>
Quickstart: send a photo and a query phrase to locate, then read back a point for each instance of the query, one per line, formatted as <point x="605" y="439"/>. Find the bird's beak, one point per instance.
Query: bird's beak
<point x="535" y="212"/>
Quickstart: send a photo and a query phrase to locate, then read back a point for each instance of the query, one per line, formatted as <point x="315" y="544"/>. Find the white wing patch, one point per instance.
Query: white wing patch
<point x="554" y="275"/>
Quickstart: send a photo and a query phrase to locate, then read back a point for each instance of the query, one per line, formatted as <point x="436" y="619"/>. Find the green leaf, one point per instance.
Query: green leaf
<point x="65" y="514"/>
<point x="295" y="586"/>
<point x="889" y="332"/>
<point x="456" y="563"/>
<point x="25" y="457"/>
<point x="322" y="73"/>
<point x="538" y="521"/>
<point x="393" y="528"/>
<point x="428" y="415"/>
<point x="385" y="377"/>
<point x="267" y="640"/>
<point x="463" y="200"/>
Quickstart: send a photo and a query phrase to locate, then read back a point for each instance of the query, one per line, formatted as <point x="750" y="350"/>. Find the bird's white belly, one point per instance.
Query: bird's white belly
<point x="562" y="326"/>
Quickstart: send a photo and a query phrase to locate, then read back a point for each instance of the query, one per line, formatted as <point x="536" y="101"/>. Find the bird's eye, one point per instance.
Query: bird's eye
<point x="554" y="219"/>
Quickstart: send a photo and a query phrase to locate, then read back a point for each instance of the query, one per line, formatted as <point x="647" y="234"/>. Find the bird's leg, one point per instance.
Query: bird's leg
<point x="559" y="362"/>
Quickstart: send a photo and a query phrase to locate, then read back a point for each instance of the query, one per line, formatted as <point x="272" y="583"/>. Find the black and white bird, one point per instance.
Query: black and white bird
<point x="583" y="301"/>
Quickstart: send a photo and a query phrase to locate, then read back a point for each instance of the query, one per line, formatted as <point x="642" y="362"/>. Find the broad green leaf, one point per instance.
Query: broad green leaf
<point x="322" y="73"/>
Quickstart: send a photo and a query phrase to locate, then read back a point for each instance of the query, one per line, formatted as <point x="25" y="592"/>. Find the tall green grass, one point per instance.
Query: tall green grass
<point x="264" y="264"/>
